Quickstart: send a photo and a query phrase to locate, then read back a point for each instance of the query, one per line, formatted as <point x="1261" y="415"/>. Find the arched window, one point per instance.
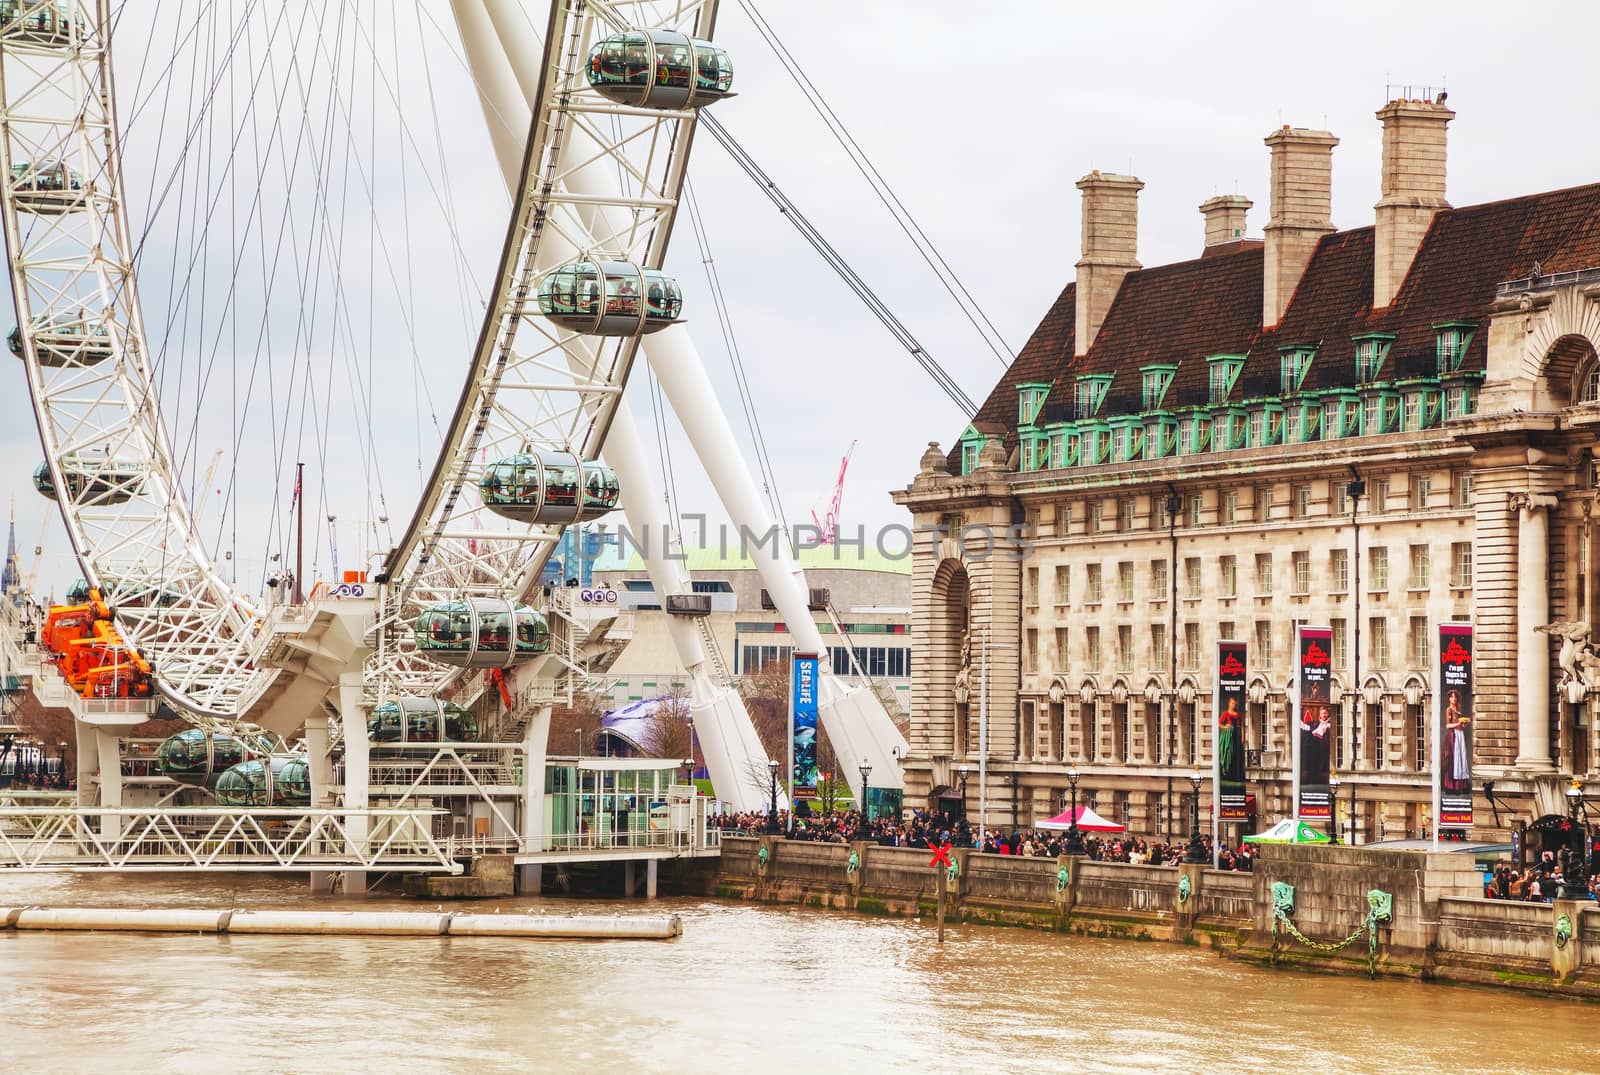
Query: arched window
<point x="1587" y="388"/>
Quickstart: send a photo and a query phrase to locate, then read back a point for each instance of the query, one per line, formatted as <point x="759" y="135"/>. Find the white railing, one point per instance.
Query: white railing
<point x="220" y="838"/>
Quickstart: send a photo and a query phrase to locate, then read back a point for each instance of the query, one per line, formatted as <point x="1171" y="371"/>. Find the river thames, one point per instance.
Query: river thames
<point x="744" y="985"/>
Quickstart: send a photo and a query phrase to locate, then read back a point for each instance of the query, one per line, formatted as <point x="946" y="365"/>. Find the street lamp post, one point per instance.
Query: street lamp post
<point x="961" y="774"/>
<point x="1575" y="873"/>
<point x="1333" y="807"/>
<point x="1074" y="834"/>
<point x="1352" y="813"/>
<point x="772" y="810"/>
<point x="866" y="771"/>
<point x="1197" y="843"/>
<point x="577" y="741"/>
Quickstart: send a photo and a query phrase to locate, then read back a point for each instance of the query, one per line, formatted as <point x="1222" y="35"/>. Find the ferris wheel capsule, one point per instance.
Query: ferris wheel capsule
<point x="65" y="340"/>
<point x="282" y="780"/>
<point x="47" y="22"/>
<point x="481" y="632"/>
<point x="47" y="189"/>
<point x="414" y="719"/>
<point x="193" y="756"/>
<point x="92" y="480"/>
<point x="610" y="298"/>
<point x="549" y="488"/>
<point x="660" y="69"/>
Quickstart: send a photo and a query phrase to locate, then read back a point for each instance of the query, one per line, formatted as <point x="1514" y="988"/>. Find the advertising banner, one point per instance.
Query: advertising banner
<point x="1452" y="705"/>
<point x="1313" y="741"/>
<point x="1229" y="705"/>
<point x="803" y="727"/>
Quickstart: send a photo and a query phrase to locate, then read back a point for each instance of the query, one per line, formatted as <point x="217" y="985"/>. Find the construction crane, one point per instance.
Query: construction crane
<point x="828" y="525"/>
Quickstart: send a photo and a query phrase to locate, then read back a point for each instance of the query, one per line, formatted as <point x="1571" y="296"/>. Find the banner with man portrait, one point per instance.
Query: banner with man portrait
<point x="1228" y="702"/>
<point x="1313" y="722"/>
<point x="1452" y="738"/>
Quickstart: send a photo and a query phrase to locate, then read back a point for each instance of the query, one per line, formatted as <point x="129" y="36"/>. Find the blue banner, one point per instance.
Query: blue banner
<point x="803" y="724"/>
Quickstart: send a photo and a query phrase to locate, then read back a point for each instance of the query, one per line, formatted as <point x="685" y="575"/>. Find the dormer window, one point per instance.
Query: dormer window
<point x="1451" y="342"/>
<point x="1293" y="364"/>
<point x="1154" y="385"/>
<point x="1030" y="401"/>
<point x="1371" y="350"/>
<point x="1224" y="371"/>
<point x="969" y="455"/>
<point x="1091" y="392"/>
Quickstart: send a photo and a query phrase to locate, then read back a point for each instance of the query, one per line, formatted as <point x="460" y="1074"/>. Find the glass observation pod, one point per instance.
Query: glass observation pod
<point x="45" y="21"/>
<point x="636" y="300"/>
<point x="660" y="69"/>
<point x="197" y="757"/>
<point x="95" y="481"/>
<point x="479" y="631"/>
<point x="78" y="592"/>
<point x="549" y="487"/>
<point x="413" y="719"/>
<point x="282" y="780"/>
<point x="48" y="189"/>
<point x="65" y="340"/>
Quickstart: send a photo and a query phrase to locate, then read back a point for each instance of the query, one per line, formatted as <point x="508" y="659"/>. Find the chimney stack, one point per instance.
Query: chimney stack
<point x="1224" y="218"/>
<point x="1413" y="189"/>
<point x="1302" y="211"/>
<point x="1110" y="239"/>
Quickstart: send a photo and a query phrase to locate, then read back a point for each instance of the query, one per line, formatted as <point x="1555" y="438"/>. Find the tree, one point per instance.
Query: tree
<point x="766" y="698"/>
<point x="668" y="734"/>
<point x="575" y="727"/>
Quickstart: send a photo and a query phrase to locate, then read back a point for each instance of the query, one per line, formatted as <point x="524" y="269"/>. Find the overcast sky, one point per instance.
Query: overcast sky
<point x="981" y="117"/>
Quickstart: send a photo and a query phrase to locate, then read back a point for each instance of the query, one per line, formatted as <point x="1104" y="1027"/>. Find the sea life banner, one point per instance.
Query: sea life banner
<point x="803" y="726"/>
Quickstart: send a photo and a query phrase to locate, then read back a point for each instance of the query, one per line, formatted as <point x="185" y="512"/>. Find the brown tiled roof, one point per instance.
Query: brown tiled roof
<point x="1042" y="360"/>
<point x="1182" y="313"/>
<point x="1232" y="246"/>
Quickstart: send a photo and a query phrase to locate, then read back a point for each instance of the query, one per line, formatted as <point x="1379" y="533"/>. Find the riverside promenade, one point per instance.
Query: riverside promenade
<point x="1391" y="913"/>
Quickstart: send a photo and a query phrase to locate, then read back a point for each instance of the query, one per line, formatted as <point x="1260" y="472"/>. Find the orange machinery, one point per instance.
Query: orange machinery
<point x="91" y="654"/>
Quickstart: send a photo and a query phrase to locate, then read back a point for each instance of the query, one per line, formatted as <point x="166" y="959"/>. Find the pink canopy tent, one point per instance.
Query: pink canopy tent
<point x="1088" y="821"/>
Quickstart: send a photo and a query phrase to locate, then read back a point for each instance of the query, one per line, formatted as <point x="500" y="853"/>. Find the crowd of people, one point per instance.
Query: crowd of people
<point x="924" y="829"/>
<point x="1540" y="883"/>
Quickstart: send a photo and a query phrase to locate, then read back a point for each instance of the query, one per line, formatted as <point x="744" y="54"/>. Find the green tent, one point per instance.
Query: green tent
<point x="1289" y="831"/>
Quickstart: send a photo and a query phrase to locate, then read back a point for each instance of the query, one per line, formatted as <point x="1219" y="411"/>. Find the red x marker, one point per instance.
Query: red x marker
<point x="940" y="855"/>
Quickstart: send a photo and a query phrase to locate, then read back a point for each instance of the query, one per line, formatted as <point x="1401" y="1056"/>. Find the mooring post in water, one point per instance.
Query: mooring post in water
<point x="941" y="865"/>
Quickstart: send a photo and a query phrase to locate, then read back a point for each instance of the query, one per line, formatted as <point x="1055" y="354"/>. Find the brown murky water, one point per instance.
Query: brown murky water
<point x="746" y="986"/>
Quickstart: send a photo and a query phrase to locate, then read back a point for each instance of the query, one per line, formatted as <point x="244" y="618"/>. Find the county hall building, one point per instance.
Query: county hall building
<point x="1375" y="430"/>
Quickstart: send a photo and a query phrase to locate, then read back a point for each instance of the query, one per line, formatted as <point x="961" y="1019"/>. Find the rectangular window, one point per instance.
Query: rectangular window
<point x="1412" y="414"/>
<point x="1461" y="564"/>
<point x="1461" y="489"/>
<point x="1030" y="651"/>
<point x="1091" y="639"/>
<point x="1263" y="503"/>
<point x="1263" y="652"/>
<point x="1228" y="570"/>
<point x="1225" y="630"/>
<point x="1419" y="568"/>
<point x="1339" y="569"/>
<point x="1125" y="581"/>
<point x="1378" y="569"/>
<point x="1191" y="576"/>
<point x="1221" y="381"/>
<point x="1292" y="369"/>
<point x="1378" y="642"/>
<point x="1160" y="518"/>
<point x="1158" y="580"/>
<point x="1341" y="499"/>
<point x="1063" y="647"/>
<point x="969" y="456"/>
<point x="1191" y="645"/>
<point x="1096" y="587"/>
<point x="1124" y="647"/>
<point x="1257" y="426"/>
<point x="1158" y="644"/>
<point x="1195" y="503"/>
<point x="1064" y="584"/>
<point x="1097" y="517"/>
<point x="1302" y="572"/>
<point x="1380" y="496"/>
<point x="1230" y="508"/>
<point x="1331" y="424"/>
<point x="1264" y="574"/>
<point x="1418" y="645"/>
<point x="1341" y="643"/>
<point x="1125" y="514"/>
<point x="1421" y="490"/>
<point x="1031" y="593"/>
<point x="1302" y="501"/>
<point x="1371" y="415"/>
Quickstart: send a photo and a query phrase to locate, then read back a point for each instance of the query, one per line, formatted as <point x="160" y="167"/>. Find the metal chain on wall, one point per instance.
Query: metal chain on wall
<point x="1380" y="908"/>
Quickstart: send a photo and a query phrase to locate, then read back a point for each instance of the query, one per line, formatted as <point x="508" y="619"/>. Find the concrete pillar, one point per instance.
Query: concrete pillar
<point x="651" y="870"/>
<point x="530" y="879"/>
<point x="535" y="748"/>
<point x="1533" y="650"/>
<point x="108" y="746"/>
<point x="88" y="759"/>
<point x="629" y="878"/>
<point x="357" y="771"/>
<point x="317" y="756"/>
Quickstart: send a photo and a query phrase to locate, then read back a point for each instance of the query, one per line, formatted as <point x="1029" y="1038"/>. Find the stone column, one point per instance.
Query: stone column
<point x="357" y="773"/>
<point x="108" y="746"/>
<point x="1533" y="650"/>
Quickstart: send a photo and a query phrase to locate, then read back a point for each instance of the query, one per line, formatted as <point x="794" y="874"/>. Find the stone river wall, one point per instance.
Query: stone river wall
<point x="1440" y="928"/>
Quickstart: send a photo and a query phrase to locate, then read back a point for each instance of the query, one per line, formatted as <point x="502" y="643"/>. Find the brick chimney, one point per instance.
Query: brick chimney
<point x="1413" y="189"/>
<point x="1110" y="239"/>
<point x="1224" y="218"/>
<point x="1302" y="210"/>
